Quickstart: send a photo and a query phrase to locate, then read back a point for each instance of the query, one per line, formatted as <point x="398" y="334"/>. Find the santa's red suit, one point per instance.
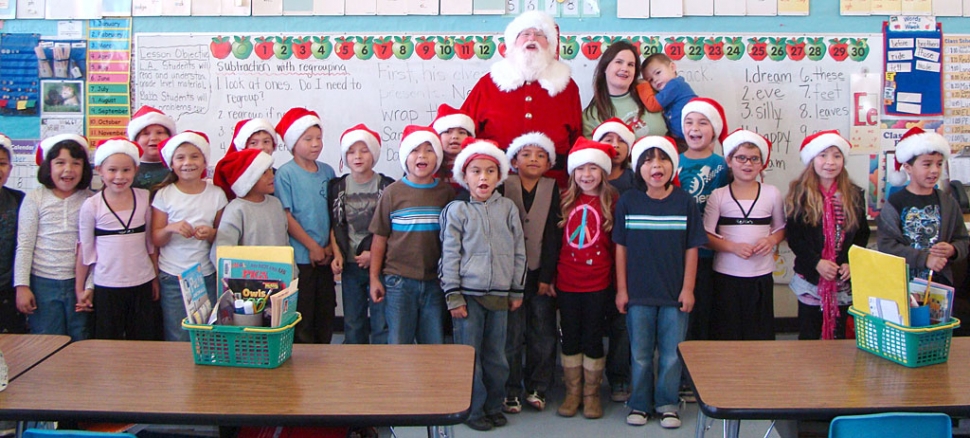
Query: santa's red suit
<point x="505" y="106"/>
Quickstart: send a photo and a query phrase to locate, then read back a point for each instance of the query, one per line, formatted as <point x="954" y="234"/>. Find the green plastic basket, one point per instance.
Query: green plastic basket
<point x="908" y="346"/>
<point x="250" y="347"/>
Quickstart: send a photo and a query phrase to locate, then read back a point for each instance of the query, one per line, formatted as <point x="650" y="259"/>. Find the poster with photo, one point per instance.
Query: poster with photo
<point x="62" y="98"/>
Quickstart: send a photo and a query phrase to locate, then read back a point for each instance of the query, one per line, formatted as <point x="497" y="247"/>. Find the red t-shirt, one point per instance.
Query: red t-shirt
<point x="586" y="257"/>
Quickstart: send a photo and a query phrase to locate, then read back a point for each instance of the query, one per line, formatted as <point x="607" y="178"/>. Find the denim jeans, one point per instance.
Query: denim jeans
<point x="660" y="328"/>
<point x="173" y="306"/>
<point x="355" y="291"/>
<point x="413" y="309"/>
<point x="618" y="355"/>
<point x="484" y="330"/>
<point x="531" y="327"/>
<point x="55" y="313"/>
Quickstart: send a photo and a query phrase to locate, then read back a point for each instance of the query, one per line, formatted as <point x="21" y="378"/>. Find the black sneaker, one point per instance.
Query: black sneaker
<point x="481" y="424"/>
<point x="497" y="419"/>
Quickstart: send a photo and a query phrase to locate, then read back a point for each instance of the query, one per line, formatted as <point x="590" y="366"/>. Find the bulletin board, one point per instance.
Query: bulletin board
<point x="785" y="87"/>
<point x="914" y="77"/>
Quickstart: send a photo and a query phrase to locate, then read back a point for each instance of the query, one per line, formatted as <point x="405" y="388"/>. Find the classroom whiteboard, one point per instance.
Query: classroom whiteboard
<point x="785" y="87"/>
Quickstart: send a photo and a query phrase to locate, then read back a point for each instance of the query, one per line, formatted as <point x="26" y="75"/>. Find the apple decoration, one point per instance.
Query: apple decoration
<point x="815" y="48"/>
<point x="282" y="47"/>
<point x="485" y="47"/>
<point x="321" y="47"/>
<point x="757" y="48"/>
<point x="220" y="47"/>
<point x="446" y="47"/>
<point x="695" y="48"/>
<point x="674" y="48"/>
<point x="363" y="48"/>
<point x="241" y="47"/>
<point x="839" y="49"/>
<point x="302" y="47"/>
<point x="465" y="47"/>
<point x="383" y="47"/>
<point x="858" y="49"/>
<point x="568" y="47"/>
<point x="264" y="48"/>
<point x="402" y="47"/>
<point x="425" y="48"/>
<point x="776" y="48"/>
<point x="714" y="48"/>
<point x="345" y="48"/>
<point x="650" y="45"/>
<point x="795" y="48"/>
<point x="733" y="48"/>
<point x="592" y="47"/>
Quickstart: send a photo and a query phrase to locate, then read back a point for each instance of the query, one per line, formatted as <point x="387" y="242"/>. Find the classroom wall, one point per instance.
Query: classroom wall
<point x="824" y="18"/>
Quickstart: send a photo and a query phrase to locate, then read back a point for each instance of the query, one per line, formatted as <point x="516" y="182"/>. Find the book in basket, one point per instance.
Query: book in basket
<point x="256" y="263"/>
<point x="194" y="295"/>
<point x="282" y="305"/>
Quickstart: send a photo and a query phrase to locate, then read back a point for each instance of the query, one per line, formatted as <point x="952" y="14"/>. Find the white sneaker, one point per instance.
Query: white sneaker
<point x="669" y="420"/>
<point x="636" y="418"/>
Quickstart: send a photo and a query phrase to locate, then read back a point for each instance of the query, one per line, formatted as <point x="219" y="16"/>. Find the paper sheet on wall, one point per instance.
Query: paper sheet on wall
<point x="34" y="9"/>
<point x="966" y="8"/>
<point x="206" y="7"/>
<point x="73" y="9"/>
<point x="237" y="7"/>
<point x="271" y="8"/>
<point x="571" y="8"/>
<point x="116" y="8"/>
<point x="422" y="7"/>
<point x="886" y="7"/>
<point x="177" y="8"/>
<point x="855" y="7"/>
<point x="392" y="7"/>
<point x="146" y="8"/>
<point x="360" y="7"/>
<point x="296" y="7"/>
<point x="703" y="8"/>
<point x="488" y="7"/>
<point x="633" y="8"/>
<point x="8" y="9"/>
<point x="960" y="169"/>
<point x="730" y="7"/>
<point x="864" y="126"/>
<point x="762" y="7"/>
<point x="666" y="8"/>
<point x="456" y="7"/>
<point x="917" y="7"/>
<point x="793" y="7"/>
<point x="948" y="8"/>
<point x="591" y="8"/>
<point x="328" y="7"/>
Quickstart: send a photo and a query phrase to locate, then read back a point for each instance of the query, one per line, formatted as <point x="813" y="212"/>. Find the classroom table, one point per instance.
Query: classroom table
<point x="817" y="380"/>
<point x="321" y="385"/>
<point x="24" y="351"/>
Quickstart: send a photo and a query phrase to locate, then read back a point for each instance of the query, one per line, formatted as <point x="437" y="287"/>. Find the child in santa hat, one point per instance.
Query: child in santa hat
<point x="185" y="209"/>
<point x="701" y="171"/>
<point x="113" y="228"/>
<point x="533" y="326"/>
<point x="585" y="273"/>
<point x="482" y="271"/>
<point x="453" y="127"/>
<point x="149" y="127"/>
<point x="658" y="233"/>
<point x="406" y="248"/>
<point x="46" y="256"/>
<point x="301" y="185"/>
<point x="255" y="217"/>
<point x="744" y="221"/>
<point x="10" y="201"/>
<point x="353" y="200"/>
<point x="826" y="215"/>
<point x="921" y="223"/>
<point x="253" y="133"/>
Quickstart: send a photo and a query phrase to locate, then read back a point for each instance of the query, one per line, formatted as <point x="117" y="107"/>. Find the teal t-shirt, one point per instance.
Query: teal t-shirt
<point x="304" y="195"/>
<point x="699" y="178"/>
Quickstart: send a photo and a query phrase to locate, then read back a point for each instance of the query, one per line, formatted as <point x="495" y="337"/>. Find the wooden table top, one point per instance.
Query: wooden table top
<point x="24" y="351"/>
<point x="820" y="380"/>
<point x="158" y="382"/>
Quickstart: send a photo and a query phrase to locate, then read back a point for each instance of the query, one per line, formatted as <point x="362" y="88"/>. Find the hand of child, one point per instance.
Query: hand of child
<point x="621" y="301"/>
<point x="943" y="249"/>
<point x="743" y="250"/>
<point x="459" y="312"/>
<point x="25" y="300"/>
<point x="686" y="300"/>
<point x="156" y="289"/>
<point x="85" y="301"/>
<point x="545" y="289"/>
<point x="763" y="247"/>
<point x="376" y="291"/>
<point x="327" y="254"/>
<point x="337" y="265"/>
<point x="844" y="272"/>
<point x="827" y="269"/>
<point x="182" y="227"/>
<point x="515" y="304"/>
<point x="363" y="260"/>
<point x="318" y="255"/>
<point x="204" y="232"/>
<point x="935" y="263"/>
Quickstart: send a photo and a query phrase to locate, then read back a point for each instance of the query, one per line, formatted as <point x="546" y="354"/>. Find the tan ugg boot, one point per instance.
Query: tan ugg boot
<point x="593" y="376"/>
<point x="572" y="375"/>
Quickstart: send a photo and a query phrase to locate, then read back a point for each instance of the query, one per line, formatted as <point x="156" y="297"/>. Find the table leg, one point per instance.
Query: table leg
<point x="701" y="426"/>
<point x="732" y="428"/>
<point x="20" y="430"/>
<point x="441" y="431"/>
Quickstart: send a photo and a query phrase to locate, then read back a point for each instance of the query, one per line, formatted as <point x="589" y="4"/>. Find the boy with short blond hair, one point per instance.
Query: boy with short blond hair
<point x="406" y="246"/>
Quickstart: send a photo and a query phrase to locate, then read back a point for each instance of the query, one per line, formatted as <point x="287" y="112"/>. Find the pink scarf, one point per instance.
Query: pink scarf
<point x="828" y="289"/>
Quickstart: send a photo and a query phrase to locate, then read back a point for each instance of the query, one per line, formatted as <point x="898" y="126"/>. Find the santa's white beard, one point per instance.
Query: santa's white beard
<point x="530" y="63"/>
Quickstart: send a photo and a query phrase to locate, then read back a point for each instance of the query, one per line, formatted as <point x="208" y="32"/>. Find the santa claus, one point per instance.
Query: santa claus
<point x="528" y="91"/>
